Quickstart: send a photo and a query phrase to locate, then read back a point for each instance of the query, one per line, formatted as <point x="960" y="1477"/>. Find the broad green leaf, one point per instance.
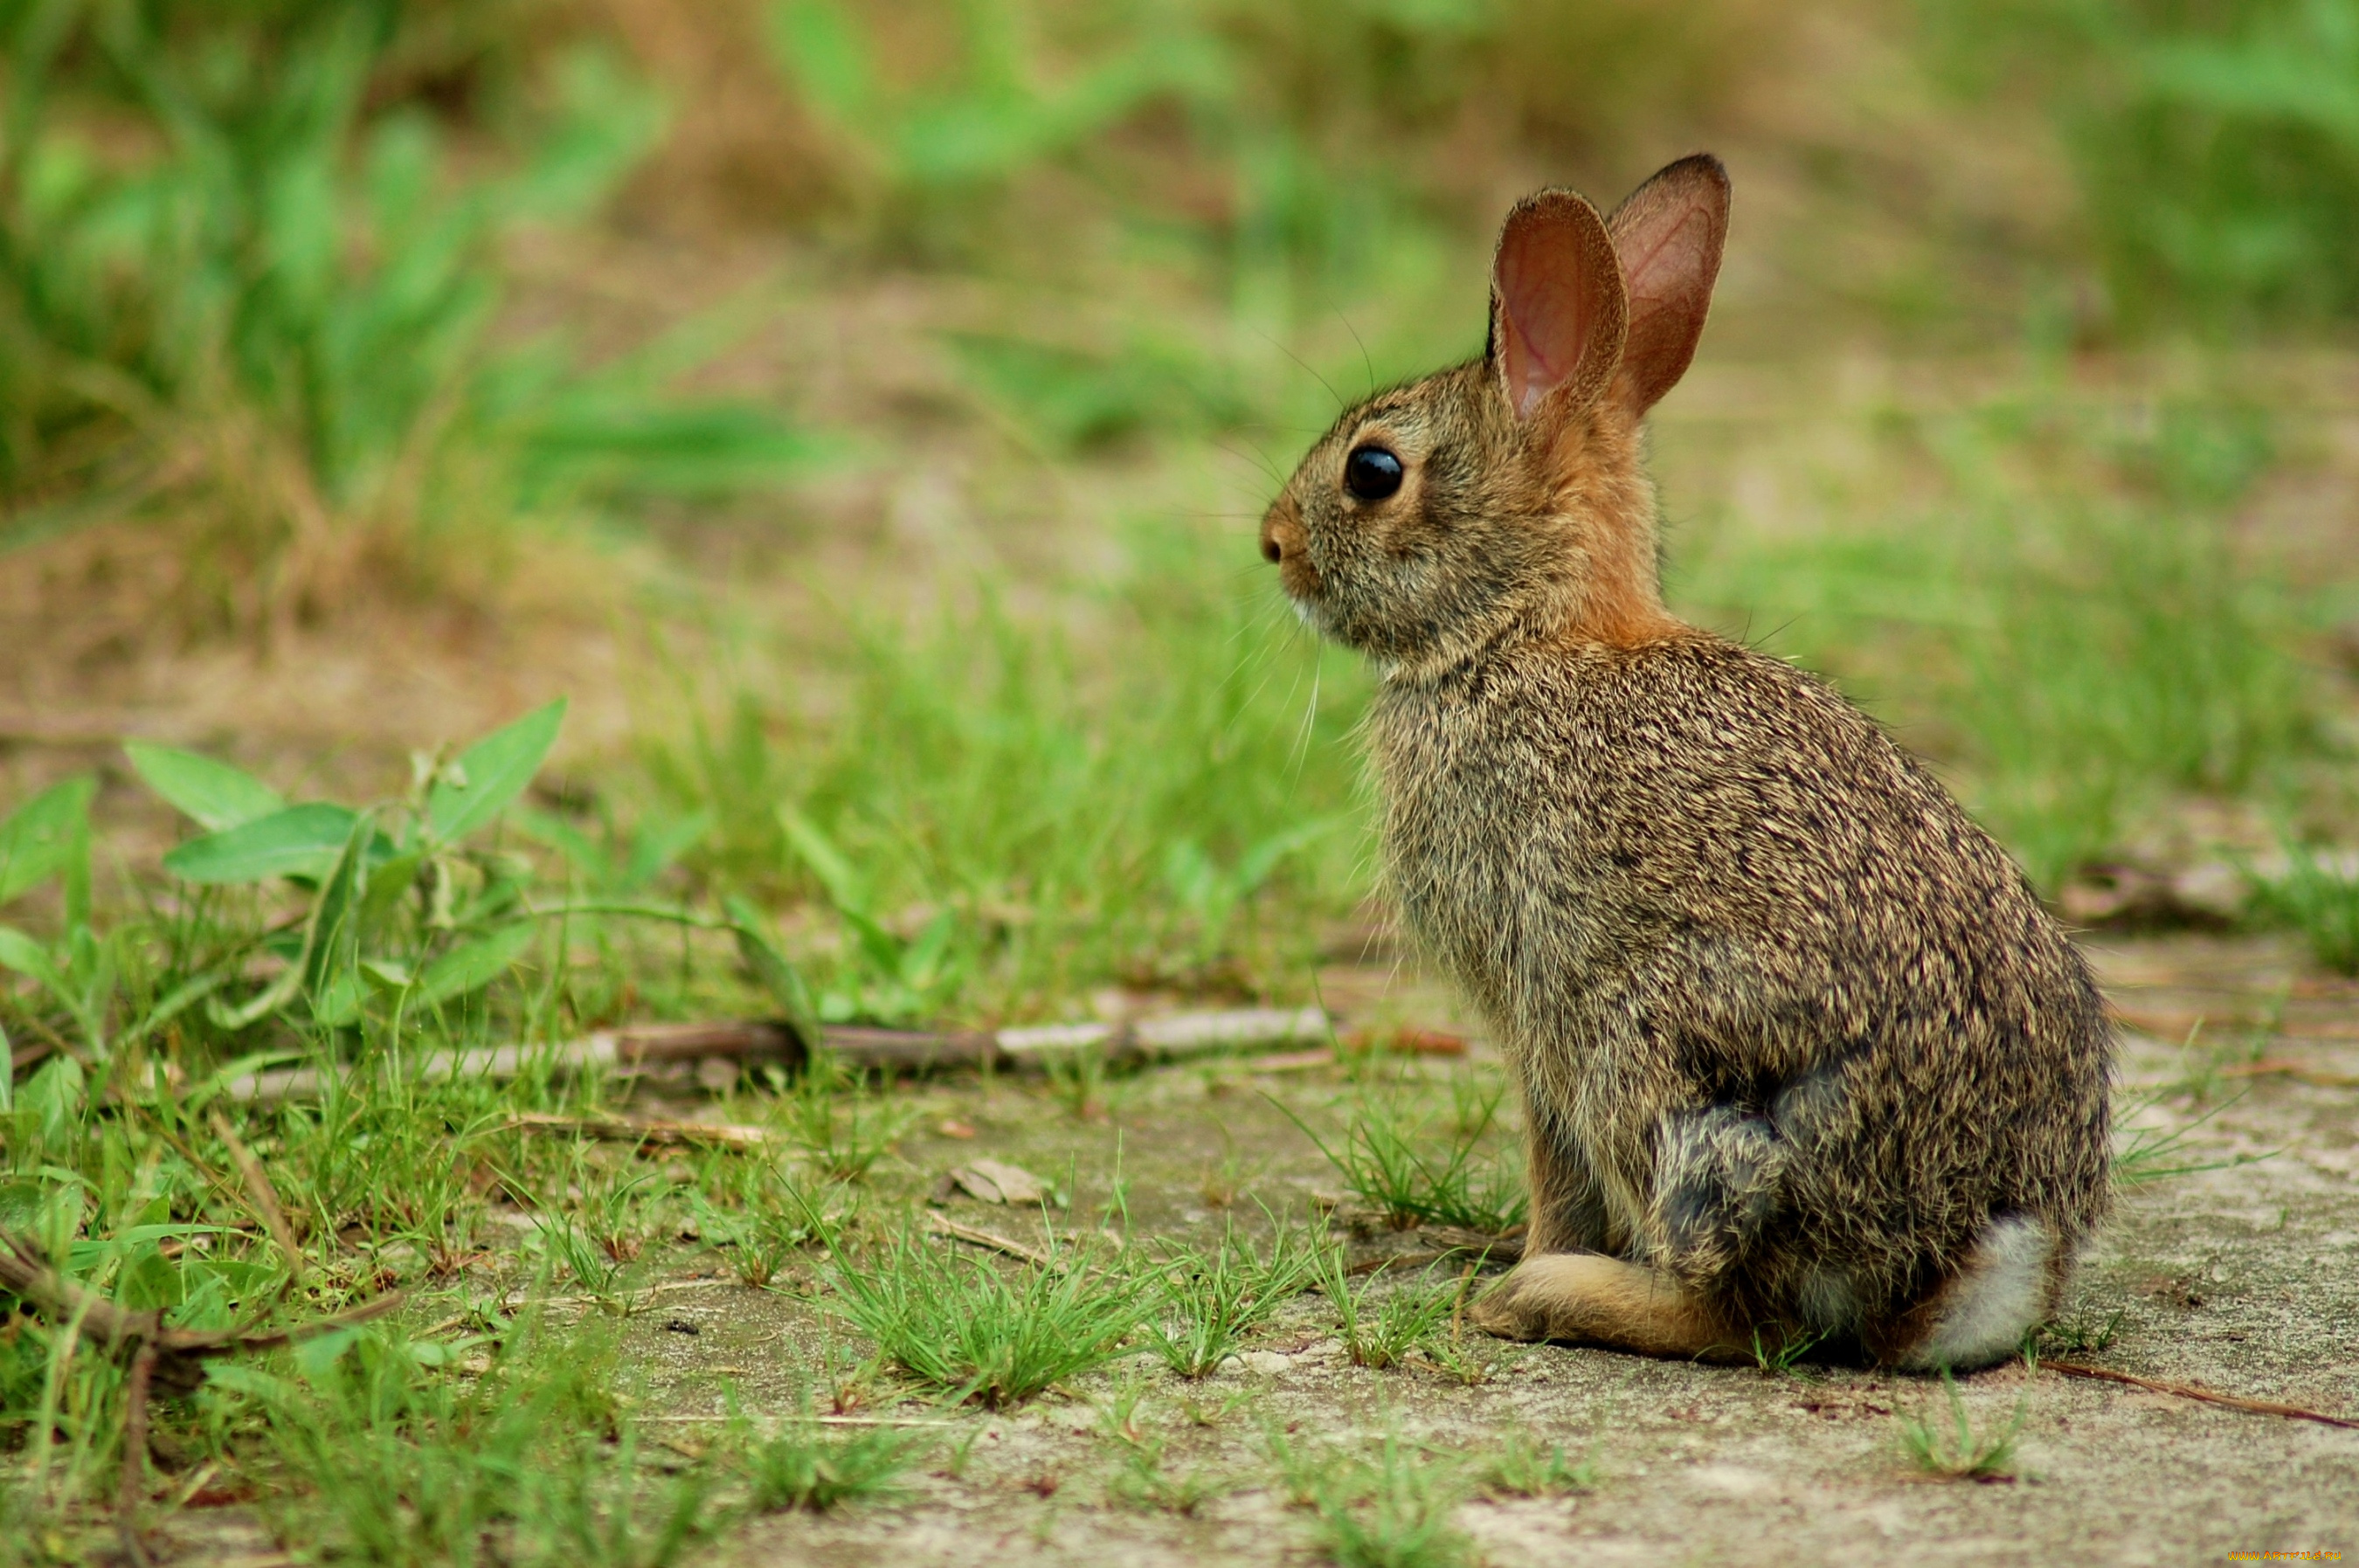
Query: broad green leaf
<point x="472" y="966"/>
<point x="779" y="978"/>
<point x="30" y="958"/>
<point x="844" y="889"/>
<point x="331" y="943"/>
<point x="387" y="975"/>
<point x="337" y="1004"/>
<point x="387" y="882"/>
<point x="39" y="838"/>
<point x="54" y="1094"/>
<point x="571" y="842"/>
<point x="215" y="795"/>
<point x="300" y="841"/>
<point x="492" y="772"/>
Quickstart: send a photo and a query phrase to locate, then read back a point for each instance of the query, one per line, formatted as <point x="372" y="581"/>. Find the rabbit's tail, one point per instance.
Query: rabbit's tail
<point x="2002" y="1290"/>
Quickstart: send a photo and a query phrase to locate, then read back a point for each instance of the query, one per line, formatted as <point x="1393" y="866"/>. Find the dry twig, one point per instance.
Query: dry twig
<point x="2198" y="1392"/>
<point x="652" y="1047"/>
<point x="943" y="1225"/>
<point x="645" y="1131"/>
<point x="2300" y="1072"/>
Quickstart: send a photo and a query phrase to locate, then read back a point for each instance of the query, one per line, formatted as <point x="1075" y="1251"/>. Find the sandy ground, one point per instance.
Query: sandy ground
<point x="2244" y="1279"/>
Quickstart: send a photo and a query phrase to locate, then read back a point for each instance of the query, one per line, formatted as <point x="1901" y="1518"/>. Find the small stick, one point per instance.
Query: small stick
<point x="789" y="1415"/>
<point x="627" y="1130"/>
<point x="135" y="1452"/>
<point x="943" y="1225"/>
<point x="664" y="1288"/>
<point x="873" y="1050"/>
<point x="266" y="1198"/>
<point x="2198" y="1392"/>
<point x="2300" y="1072"/>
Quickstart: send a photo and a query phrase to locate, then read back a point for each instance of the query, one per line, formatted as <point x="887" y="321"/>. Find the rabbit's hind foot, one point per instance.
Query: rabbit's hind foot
<point x="2000" y="1294"/>
<point x="1590" y="1298"/>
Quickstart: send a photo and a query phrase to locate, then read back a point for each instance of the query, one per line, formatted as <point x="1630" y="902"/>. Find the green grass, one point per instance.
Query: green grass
<point x="1525" y="1467"/>
<point x="807" y="1466"/>
<point x="250" y="288"/>
<point x="1393" y="1508"/>
<point x="1215" y="1299"/>
<point x="1388" y="1158"/>
<point x="1384" y="1321"/>
<point x="1954" y="1448"/>
<point x="2217" y="160"/>
<point x="2065" y="617"/>
<point x="2318" y="897"/>
<point x="966" y="1327"/>
<point x="998" y="815"/>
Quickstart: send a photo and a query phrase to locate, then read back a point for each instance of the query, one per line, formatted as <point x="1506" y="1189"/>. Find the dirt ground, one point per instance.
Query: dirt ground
<point x="2243" y="1277"/>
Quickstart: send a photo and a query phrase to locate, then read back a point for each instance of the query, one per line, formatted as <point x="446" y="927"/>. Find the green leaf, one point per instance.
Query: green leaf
<point x="779" y="978"/>
<point x="27" y="958"/>
<point x="826" y="53"/>
<point x="332" y="942"/>
<point x="215" y="795"/>
<point x="844" y="889"/>
<point x="300" y="841"/>
<point x="387" y="975"/>
<point x="492" y="772"/>
<point x="387" y="882"/>
<point x="337" y="1004"/>
<point x="472" y="966"/>
<point x="40" y="838"/>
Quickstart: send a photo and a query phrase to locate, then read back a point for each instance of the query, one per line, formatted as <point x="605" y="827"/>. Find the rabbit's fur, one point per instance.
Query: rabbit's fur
<point x="1801" y="1053"/>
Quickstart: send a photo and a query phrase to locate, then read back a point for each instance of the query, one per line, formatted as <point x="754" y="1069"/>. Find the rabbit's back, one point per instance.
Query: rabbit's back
<point x="1704" y="899"/>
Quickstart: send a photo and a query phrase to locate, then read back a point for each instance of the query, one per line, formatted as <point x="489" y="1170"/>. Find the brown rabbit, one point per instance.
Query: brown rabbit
<point x="1801" y="1054"/>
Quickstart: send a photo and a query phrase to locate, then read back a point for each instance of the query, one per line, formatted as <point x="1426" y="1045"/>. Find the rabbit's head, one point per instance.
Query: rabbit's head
<point x="1505" y="495"/>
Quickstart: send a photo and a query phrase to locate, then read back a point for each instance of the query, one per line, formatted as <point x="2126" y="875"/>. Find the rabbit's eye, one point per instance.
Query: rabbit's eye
<point x="1371" y="474"/>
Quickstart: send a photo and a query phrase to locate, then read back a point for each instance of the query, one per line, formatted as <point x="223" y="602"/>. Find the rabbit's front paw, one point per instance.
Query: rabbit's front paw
<point x="1541" y="1298"/>
<point x="1597" y="1299"/>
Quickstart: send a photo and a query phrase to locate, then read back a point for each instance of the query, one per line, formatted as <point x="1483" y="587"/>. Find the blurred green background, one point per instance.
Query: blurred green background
<point x="863" y="411"/>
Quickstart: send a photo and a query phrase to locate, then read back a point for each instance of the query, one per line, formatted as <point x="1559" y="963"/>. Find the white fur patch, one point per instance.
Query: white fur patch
<point x="1995" y="1299"/>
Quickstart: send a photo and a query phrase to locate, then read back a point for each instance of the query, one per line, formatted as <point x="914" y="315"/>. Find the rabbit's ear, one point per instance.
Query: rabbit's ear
<point x="1668" y="236"/>
<point x="1557" y="311"/>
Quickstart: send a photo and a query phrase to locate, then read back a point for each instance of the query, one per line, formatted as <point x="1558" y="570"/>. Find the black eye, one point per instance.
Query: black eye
<point x="1371" y="474"/>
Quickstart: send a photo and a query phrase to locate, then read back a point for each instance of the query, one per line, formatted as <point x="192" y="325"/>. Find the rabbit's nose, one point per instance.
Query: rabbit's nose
<point x="1281" y="534"/>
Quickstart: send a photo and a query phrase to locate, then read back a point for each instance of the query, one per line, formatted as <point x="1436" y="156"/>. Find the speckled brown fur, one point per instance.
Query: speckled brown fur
<point x="1792" y="1030"/>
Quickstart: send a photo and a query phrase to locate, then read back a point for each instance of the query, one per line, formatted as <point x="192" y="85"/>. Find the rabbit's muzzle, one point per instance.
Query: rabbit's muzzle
<point x="1286" y="543"/>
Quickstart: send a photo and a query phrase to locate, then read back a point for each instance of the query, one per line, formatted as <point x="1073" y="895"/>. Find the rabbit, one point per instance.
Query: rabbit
<point x="1801" y="1054"/>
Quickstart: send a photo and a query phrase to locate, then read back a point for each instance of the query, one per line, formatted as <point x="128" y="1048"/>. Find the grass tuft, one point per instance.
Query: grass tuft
<point x="1386" y="1159"/>
<point x="972" y="1329"/>
<point x="1395" y="1509"/>
<point x="1383" y="1323"/>
<point x="1523" y="1467"/>
<point x="1211" y="1302"/>
<point x="807" y="1466"/>
<point x="1954" y="1449"/>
